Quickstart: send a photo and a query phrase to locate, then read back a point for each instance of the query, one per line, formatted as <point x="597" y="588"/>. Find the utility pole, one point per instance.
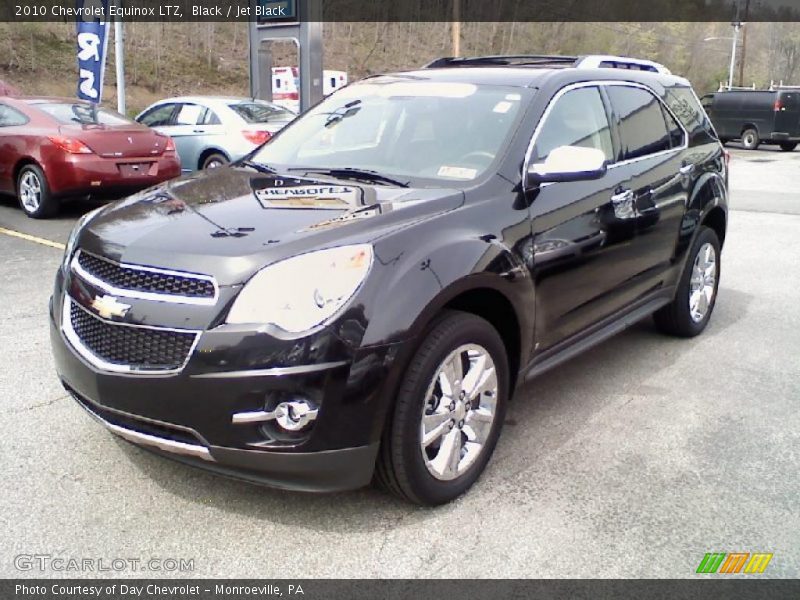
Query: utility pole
<point x="737" y="25"/>
<point x="744" y="42"/>
<point x="455" y="28"/>
<point x="119" y="61"/>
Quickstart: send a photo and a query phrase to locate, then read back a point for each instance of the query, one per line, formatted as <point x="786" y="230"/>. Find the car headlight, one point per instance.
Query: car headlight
<point x="69" y="249"/>
<point x="300" y="293"/>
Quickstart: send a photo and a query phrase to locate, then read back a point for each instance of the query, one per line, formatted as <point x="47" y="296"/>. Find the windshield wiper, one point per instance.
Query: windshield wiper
<point x="365" y="175"/>
<point x="260" y="167"/>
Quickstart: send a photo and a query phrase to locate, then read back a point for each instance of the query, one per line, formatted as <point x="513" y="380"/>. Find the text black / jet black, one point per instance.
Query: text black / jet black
<point x="413" y="248"/>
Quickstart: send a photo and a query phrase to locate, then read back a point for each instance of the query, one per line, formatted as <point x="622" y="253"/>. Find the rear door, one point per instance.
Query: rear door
<point x="656" y="177"/>
<point x="787" y="114"/>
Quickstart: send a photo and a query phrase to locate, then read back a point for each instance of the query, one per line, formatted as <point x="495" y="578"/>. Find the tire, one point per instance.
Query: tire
<point x="679" y="317"/>
<point x="750" y="139"/>
<point x="423" y="475"/>
<point x="788" y="146"/>
<point x="214" y="161"/>
<point x="33" y="193"/>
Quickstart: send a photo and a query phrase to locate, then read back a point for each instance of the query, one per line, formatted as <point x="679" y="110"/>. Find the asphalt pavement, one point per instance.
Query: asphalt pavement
<point x="633" y="460"/>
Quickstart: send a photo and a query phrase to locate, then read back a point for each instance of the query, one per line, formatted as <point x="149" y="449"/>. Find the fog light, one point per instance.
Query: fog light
<point x="295" y="415"/>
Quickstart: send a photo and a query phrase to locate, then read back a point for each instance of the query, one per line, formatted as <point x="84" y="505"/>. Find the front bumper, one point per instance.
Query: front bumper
<point x="188" y="415"/>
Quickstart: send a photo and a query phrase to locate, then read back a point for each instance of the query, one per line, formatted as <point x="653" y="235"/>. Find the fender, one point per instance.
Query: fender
<point x="431" y="275"/>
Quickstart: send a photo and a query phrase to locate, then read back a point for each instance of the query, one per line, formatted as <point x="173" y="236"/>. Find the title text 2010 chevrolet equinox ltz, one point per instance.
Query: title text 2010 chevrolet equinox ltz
<point x="361" y="296"/>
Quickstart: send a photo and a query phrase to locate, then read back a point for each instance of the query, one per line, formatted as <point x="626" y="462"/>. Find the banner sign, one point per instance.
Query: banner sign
<point x="93" y="25"/>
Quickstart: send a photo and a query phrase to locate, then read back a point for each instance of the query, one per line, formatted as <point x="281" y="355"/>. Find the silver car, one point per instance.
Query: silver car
<point x="211" y="131"/>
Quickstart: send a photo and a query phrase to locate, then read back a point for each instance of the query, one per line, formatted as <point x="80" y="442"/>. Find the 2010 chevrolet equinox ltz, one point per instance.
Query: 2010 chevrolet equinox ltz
<point x="361" y="296"/>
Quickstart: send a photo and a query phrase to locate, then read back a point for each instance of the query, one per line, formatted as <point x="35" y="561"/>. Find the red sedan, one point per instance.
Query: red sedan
<point x="56" y="148"/>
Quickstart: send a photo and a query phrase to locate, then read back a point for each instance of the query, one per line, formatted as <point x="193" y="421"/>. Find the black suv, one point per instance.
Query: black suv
<point x="362" y="295"/>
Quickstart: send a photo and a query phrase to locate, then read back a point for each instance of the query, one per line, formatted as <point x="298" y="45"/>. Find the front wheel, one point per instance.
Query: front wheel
<point x="788" y="146"/>
<point x="689" y="312"/>
<point x="448" y="413"/>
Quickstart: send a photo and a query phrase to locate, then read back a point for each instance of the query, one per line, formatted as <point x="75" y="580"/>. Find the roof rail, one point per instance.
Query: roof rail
<point x="724" y="87"/>
<point x="503" y="60"/>
<point x="593" y="61"/>
<point x="781" y="86"/>
<point x="596" y="61"/>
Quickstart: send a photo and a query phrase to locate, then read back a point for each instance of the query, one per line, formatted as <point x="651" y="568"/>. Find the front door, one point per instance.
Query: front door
<point x="583" y="252"/>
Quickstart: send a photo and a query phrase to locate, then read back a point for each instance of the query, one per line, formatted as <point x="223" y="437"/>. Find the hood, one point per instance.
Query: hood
<point x="230" y="222"/>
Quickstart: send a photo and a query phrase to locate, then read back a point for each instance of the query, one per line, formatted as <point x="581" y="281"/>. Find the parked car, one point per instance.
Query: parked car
<point x="56" y="148"/>
<point x="210" y="132"/>
<point x="756" y="116"/>
<point x="363" y="294"/>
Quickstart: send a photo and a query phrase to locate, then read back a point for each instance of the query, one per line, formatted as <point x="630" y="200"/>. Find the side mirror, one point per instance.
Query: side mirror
<point x="569" y="163"/>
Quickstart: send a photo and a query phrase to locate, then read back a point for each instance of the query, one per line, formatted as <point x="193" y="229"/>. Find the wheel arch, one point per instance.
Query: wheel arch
<point x="208" y="152"/>
<point x="21" y="164"/>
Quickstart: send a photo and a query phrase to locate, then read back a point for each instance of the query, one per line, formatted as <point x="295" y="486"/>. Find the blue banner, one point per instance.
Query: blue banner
<point x="92" y="47"/>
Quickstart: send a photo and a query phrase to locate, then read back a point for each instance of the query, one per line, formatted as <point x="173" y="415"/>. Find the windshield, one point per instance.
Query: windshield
<point x="84" y="114"/>
<point x="402" y="128"/>
<point x="261" y="113"/>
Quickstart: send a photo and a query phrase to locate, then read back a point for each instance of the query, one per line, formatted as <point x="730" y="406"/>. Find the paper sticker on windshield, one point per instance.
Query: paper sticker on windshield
<point x="332" y="197"/>
<point x="457" y="172"/>
<point x="502" y="107"/>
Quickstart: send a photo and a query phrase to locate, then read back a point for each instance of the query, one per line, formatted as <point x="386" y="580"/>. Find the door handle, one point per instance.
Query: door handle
<point x="199" y="131"/>
<point x="687" y="169"/>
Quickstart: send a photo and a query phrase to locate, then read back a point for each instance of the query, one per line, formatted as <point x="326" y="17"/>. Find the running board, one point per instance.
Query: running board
<point x="619" y="325"/>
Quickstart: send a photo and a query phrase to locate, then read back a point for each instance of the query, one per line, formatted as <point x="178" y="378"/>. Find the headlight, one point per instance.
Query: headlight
<point x="299" y="293"/>
<point x="69" y="249"/>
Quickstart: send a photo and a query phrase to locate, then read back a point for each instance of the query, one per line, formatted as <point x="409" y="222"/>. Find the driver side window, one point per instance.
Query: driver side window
<point x="578" y="118"/>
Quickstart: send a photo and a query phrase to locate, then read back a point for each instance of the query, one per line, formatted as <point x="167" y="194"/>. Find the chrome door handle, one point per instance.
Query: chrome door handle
<point x="687" y="169"/>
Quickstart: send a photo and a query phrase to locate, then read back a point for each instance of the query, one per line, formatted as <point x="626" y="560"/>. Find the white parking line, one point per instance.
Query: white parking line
<point x="31" y="238"/>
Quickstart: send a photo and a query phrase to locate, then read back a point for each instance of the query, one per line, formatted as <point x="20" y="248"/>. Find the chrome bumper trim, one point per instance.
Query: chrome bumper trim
<point x="275" y="372"/>
<point x="145" y="439"/>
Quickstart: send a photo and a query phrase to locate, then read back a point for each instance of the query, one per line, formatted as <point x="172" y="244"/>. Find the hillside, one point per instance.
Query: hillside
<point x="168" y="59"/>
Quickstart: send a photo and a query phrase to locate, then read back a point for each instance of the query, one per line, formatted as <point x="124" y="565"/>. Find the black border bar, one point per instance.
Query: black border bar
<point x="430" y="10"/>
<point x="714" y="588"/>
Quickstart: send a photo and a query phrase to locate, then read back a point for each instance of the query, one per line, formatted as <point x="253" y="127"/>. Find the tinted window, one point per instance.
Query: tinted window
<point x="676" y="135"/>
<point x="642" y="127"/>
<point x="683" y="103"/>
<point x="84" y="114"/>
<point x="254" y="112"/>
<point x="159" y="116"/>
<point x="578" y="118"/>
<point x="211" y="118"/>
<point x="10" y="117"/>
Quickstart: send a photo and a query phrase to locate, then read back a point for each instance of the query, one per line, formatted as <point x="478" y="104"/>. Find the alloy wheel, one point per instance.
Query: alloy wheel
<point x="702" y="285"/>
<point x="459" y="412"/>
<point x="30" y="191"/>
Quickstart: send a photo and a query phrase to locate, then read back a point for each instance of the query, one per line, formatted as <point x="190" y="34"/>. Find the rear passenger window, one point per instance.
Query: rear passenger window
<point x="10" y="117"/>
<point x="190" y="114"/>
<point x="643" y="130"/>
<point x="676" y="135"/>
<point x="578" y="118"/>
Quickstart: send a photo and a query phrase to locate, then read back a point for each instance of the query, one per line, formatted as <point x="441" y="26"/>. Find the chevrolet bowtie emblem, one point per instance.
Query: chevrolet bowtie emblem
<point x="107" y="307"/>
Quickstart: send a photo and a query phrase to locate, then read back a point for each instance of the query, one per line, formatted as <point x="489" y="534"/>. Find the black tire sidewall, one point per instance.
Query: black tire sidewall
<point x="418" y="483"/>
<point x="215" y="156"/>
<point x="706" y="235"/>
<point x="46" y="203"/>
<point x="788" y="146"/>
<point x="756" y="139"/>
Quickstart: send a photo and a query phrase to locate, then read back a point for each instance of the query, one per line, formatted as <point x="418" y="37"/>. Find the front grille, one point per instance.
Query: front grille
<point x="145" y="279"/>
<point x="132" y="347"/>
